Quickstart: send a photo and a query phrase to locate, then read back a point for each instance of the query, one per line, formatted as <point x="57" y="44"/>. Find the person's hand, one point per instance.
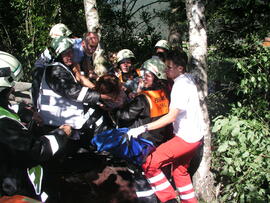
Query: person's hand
<point x="37" y="118"/>
<point x="66" y="128"/>
<point x="135" y="132"/>
<point x="106" y="97"/>
<point x="140" y="85"/>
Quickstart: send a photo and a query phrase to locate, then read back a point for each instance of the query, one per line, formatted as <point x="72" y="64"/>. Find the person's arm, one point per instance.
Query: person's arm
<point x="138" y="107"/>
<point x="84" y="81"/>
<point x="62" y="82"/>
<point x="21" y="145"/>
<point x="164" y="120"/>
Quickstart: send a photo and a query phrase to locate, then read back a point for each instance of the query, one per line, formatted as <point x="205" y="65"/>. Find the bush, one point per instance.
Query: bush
<point x="241" y="155"/>
<point x="242" y="159"/>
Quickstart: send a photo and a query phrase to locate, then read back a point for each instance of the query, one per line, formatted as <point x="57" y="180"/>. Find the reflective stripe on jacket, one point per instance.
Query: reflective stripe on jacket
<point x="56" y="110"/>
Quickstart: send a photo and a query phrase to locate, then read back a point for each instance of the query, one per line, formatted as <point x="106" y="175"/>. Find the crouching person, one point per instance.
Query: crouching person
<point x="20" y="151"/>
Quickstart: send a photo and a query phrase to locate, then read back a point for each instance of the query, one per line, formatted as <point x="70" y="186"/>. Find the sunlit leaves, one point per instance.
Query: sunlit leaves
<point x="242" y="158"/>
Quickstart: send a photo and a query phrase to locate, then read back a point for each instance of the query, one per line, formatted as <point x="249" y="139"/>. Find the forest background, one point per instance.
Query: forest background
<point x="237" y="69"/>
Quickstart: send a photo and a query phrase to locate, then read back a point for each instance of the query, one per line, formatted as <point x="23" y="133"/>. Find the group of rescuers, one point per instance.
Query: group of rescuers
<point x="77" y="94"/>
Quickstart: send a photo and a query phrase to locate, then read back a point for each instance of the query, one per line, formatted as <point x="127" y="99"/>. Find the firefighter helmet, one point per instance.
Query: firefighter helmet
<point x="164" y="44"/>
<point x="155" y="66"/>
<point x="61" y="44"/>
<point x="124" y="54"/>
<point x="59" y="30"/>
<point x="10" y="70"/>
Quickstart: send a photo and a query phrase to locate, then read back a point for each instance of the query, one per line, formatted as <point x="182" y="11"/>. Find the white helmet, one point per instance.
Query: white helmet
<point x="61" y="44"/>
<point x="59" y="30"/>
<point x="124" y="54"/>
<point x="164" y="44"/>
<point x="155" y="66"/>
<point x="10" y="70"/>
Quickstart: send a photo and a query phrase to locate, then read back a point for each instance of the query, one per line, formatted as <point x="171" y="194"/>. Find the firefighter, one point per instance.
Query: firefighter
<point x="127" y="73"/>
<point x="161" y="49"/>
<point x="149" y="105"/>
<point x="21" y="152"/>
<point x="162" y="46"/>
<point x="56" y="31"/>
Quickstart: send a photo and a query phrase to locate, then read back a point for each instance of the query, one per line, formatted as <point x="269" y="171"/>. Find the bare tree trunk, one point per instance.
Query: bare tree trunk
<point x="175" y="37"/>
<point x="203" y="179"/>
<point x="91" y="16"/>
<point x="175" y="32"/>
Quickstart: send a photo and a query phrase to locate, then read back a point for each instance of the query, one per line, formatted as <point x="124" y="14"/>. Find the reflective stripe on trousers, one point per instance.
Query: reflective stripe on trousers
<point x="179" y="153"/>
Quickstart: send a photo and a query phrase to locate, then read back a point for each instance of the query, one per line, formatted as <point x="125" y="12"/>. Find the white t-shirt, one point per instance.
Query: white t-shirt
<point x="184" y="96"/>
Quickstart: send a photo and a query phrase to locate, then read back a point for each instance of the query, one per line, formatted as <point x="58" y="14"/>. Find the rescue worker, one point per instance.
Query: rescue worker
<point x="21" y="152"/>
<point x="62" y="97"/>
<point x="127" y="73"/>
<point x="57" y="30"/>
<point x="161" y="49"/>
<point x="186" y="115"/>
<point x="60" y="81"/>
<point x="151" y="103"/>
<point x="162" y="46"/>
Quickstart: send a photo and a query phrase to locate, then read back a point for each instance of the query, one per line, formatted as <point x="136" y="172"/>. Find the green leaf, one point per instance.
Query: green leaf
<point x="232" y="143"/>
<point x="216" y="127"/>
<point x="228" y="160"/>
<point x="246" y="154"/>
<point x="239" y="104"/>
<point x="236" y="131"/>
<point x="223" y="147"/>
<point x="242" y="138"/>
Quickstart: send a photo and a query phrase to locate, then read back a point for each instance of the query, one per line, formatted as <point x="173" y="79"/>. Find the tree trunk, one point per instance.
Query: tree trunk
<point x="175" y="28"/>
<point x="91" y="16"/>
<point x="203" y="179"/>
<point x="175" y="37"/>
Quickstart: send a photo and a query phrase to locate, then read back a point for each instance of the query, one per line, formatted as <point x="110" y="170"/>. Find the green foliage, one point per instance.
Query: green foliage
<point x="26" y="25"/>
<point x="241" y="137"/>
<point x="230" y="24"/>
<point x="122" y="30"/>
<point x="255" y="71"/>
<point x="242" y="159"/>
<point x="239" y="101"/>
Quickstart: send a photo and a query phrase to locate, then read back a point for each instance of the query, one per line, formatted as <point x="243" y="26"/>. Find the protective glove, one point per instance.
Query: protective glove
<point x="135" y="132"/>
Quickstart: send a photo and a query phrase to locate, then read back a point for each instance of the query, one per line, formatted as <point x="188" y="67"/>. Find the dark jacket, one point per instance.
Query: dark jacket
<point x="20" y="150"/>
<point x="137" y="113"/>
<point x="63" y="83"/>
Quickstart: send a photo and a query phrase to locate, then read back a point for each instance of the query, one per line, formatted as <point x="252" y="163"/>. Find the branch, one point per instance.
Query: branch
<point x="158" y="1"/>
<point x="8" y="38"/>
<point x="134" y="3"/>
<point x="138" y="25"/>
<point x="150" y="18"/>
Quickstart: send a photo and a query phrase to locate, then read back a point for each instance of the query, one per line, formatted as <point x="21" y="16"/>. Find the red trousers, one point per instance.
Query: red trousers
<point x="178" y="153"/>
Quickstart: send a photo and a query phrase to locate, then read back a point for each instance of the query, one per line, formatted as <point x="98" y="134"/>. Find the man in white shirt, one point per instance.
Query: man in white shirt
<point x="186" y="115"/>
